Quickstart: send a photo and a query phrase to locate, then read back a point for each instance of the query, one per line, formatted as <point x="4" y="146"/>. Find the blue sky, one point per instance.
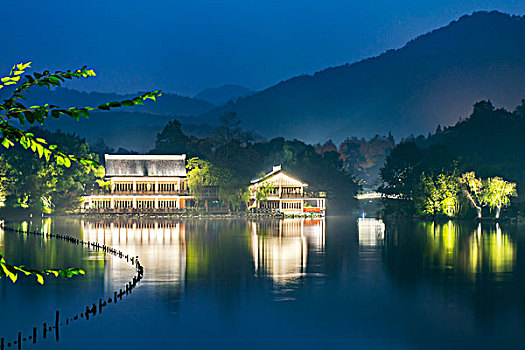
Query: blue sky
<point x="186" y="46"/>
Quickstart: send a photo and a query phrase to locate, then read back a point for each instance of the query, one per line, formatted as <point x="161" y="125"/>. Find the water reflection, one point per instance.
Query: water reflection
<point x="280" y="247"/>
<point x="467" y="249"/>
<point x="371" y="231"/>
<point x="411" y="285"/>
<point x="485" y="249"/>
<point x="161" y="244"/>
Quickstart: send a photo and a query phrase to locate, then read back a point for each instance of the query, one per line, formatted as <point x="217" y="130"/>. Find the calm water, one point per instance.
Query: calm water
<point x="298" y="283"/>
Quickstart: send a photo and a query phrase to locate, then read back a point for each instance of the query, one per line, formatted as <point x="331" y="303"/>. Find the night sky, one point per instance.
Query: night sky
<point x="186" y="46"/>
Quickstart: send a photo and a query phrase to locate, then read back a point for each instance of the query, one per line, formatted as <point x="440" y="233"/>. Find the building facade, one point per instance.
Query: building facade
<point x="142" y="183"/>
<point x="285" y="194"/>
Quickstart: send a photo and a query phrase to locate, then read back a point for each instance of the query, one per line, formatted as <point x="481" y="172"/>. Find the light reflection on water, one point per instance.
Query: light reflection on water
<point x="374" y="284"/>
<point x="483" y="248"/>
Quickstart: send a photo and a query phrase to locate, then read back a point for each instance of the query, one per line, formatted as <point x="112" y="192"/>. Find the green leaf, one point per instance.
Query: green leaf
<point x="47" y="154"/>
<point x="7" y="143"/>
<point x="84" y="113"/>
<point x="104" y="107"/>
<point x="54" y="80"/>
<point x="40" y="149"/>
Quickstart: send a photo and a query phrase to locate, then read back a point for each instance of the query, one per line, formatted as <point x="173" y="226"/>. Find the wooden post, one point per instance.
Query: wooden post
<point x="34" y="335"/>
<point x="19" y="341"/>
<point x="57" y="324"/>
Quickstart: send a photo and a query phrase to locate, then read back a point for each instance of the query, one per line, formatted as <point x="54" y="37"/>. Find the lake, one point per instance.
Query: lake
<point x="335" y="282"/>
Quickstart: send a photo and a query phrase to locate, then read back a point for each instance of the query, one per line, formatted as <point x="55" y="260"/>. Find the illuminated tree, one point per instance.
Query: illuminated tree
<point x="201" y="174"/>
<point x="262" y="192"/>
<point x="438" y="195"/>
<point x="497" y="193"/>
<point x="473" y="190"/>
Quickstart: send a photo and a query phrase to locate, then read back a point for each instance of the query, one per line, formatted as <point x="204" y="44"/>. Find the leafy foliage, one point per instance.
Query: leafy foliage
<point x="425" y="186"/>
<point x="11" y="271"/>
<point x="497" y="193"/>
<point x="438" y="195"/>
<point x="32" y="182"/>
<point x="12" y="109"/>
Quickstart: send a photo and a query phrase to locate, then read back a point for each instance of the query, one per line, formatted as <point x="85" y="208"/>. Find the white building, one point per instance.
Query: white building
<point x="143" y="183"/>
<point x="285" y="194"/>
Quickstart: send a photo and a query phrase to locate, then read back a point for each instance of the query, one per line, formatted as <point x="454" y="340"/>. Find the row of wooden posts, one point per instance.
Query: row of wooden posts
<point x="91" y="309"/>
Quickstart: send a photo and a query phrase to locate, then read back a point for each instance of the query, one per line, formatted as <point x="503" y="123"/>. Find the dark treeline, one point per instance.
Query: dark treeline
<point x="421" y="171"/>
<point x="235" y="151"/>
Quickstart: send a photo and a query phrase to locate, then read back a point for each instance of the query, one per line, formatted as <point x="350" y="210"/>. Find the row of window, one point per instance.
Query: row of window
<point x="168" y="187"/>
<point x="128" y="204"/>
<point x="291" y="205"/>
<point x="124" y="187"/>
<point x="163" y="204"/>
<point x="104" y="204"/>
<point x="149" y="186"/>
<point x="123" y="204"/>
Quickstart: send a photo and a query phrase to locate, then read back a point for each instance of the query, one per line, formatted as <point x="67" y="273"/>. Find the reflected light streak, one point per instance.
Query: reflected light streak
<point x="280" y="247"/>
<point x="371" y="232"/>
<point x="160" y="244"/>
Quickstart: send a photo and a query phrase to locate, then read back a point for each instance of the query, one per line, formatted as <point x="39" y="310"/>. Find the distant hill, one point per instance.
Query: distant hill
<point x="434" y="79"/>
<point x="223" y="94"/>
<point x="131" y="130"/>
<point x="167" y="104"/>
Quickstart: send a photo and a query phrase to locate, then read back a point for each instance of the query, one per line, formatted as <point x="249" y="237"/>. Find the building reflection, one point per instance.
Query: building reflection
<point x="371" y="232"/>
<point x="160" y="244"/>
<point x="280" y="247"/>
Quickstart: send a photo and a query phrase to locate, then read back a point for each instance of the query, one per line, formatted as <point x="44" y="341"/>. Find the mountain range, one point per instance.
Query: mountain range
<point x="434" y="79"/>
<point x="223" y="94"/>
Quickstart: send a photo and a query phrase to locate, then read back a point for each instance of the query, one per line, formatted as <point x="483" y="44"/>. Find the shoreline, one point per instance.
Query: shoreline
<point x="25" y="215"/>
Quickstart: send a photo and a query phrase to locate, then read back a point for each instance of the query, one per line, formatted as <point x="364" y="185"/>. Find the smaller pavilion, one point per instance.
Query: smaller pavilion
<point x="285" y="194"/>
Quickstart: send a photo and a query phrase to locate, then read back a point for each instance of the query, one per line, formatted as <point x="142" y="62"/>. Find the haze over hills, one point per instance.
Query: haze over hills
<point x="222" y="94"/>
<point x="434" y="79"/>
<point x="133" y="128"/>
<point x="172" y="104"/>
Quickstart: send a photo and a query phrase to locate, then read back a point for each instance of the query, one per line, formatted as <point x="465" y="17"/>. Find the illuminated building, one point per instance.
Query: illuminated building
<point x="285" y="194"/>
<point x="144" y="183"/>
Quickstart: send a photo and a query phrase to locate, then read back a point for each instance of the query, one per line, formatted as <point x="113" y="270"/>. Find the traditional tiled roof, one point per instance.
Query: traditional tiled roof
<point x="145" y="165"/>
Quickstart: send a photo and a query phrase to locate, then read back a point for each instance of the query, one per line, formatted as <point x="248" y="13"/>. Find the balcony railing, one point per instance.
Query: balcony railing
<point x="108" y="192"/>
